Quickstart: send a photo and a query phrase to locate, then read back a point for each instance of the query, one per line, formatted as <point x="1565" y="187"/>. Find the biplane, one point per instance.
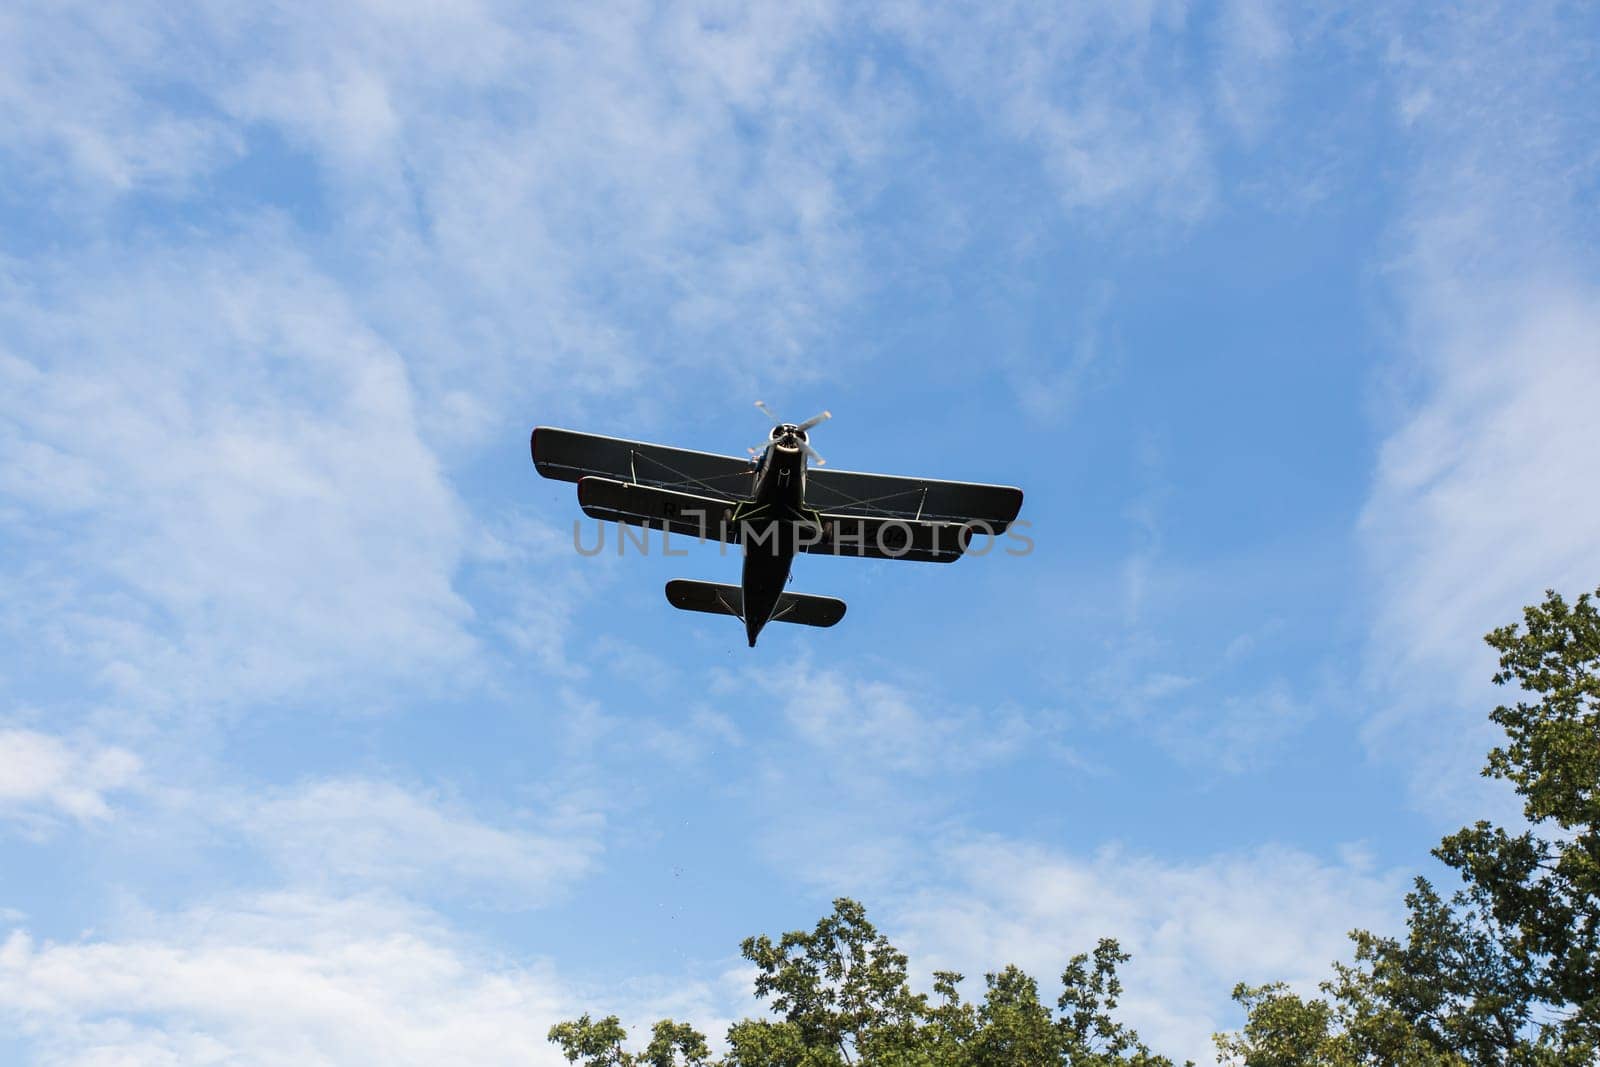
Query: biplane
<point x="774" y="505"/>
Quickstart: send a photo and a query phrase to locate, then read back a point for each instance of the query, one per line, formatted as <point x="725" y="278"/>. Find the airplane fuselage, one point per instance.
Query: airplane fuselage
<point x="768" y="530"/>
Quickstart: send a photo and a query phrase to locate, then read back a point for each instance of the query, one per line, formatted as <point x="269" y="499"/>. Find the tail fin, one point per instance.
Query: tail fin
<point x="729" y="600"/>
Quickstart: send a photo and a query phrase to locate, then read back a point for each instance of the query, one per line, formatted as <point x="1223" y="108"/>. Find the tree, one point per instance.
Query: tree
<point x="1507" y="970"/>
<point x="599" y="1044"/>
<point x="841" y="997"/>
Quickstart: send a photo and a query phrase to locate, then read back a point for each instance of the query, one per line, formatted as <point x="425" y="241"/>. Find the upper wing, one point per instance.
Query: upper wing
<point x="569" y="456"/>
<point x="892" y="496"/>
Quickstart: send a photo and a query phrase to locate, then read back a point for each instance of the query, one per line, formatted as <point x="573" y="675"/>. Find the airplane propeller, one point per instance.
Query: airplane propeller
<point x="805" y="446"/>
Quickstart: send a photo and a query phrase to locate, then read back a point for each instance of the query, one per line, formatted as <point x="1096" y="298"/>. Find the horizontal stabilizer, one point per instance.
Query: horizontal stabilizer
<point x="808" y="610"/>
<point x="706" y="596"/>
<point x="729" y="600"/>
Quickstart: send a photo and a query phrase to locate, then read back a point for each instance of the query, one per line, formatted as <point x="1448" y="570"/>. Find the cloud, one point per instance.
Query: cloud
<point x="294" y="977"/>
<point x="1254" y="44"/>
<point x="222" y="483"/>
<point x="337" y="835"/>
<point x="606" y="189"/>
<point x="868" y="769"/>
<point x="43" y="775"/>
<point x="1236" y="731"/>
<point x="1476" y="510"/>
<point x="1051" y="377"/>
<point x="1476" y="506"/>
<point x="588" y="194"/>
<point x="1194" y="928"/>
<point x="314" y="262"/>
<point x="231" y="408"/>
<point x="878" y="726"/>
<point x="1210" y="707"/>
<point x="78" y="128"/>
<point x="303" y="976"/>
<point x="277" y="979"/>
<point x="371" y="834"/>
<point x="1479" y="481"/>
<point x="859" y="765"/>
<point x="1094" y="90"/>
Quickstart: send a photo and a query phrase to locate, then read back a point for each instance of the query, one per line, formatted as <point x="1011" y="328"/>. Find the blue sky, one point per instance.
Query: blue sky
<point x="318" y="741"/>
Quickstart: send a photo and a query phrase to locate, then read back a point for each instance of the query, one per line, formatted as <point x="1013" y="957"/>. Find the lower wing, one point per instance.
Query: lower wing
<point x="709" y="519"/>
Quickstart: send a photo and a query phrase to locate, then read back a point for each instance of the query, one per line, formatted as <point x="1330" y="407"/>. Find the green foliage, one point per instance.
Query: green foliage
<point x="841" y="990"/>
<point x="599" y="1044"/>
<point x="1507" y="970"/>
<point x="1352" y="1029"/>
<point x="1089" y="1035"/>
<point x="840" y="996"/>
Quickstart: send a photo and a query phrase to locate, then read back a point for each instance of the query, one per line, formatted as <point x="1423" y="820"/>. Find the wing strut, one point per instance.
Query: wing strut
<point x="683" y="479"/>
<point x="857" y="502"/>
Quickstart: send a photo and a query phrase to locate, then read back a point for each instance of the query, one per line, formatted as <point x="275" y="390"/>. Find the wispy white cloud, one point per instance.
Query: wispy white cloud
<point x="608" y="188"/>
<point x="276" y="979"/>
<point x="1254" y="44"/>
<point x="882" y="726"/>
<point x="1094" y="89"/>
<point x="1050" y="380"/>
<point x="1477" y="510"/>
<point x="286" y="976"/>
<point x="223" y="487"/>
<point x="584" y="192"/>
<point x="1208" y="714"/>
<point x="248" y="432"/>
<point x="1477" y="503"/>
<point x="294" y="977"/>
<point x="76" y="114"/>
<point x="1235" y="731"/>
<point x="873" y="721"/>
<point x="1194" y="927"/>
<point x="42" y="775"/>
<point x="868" y="767"/>
<point x="519" y="578"/>
<point x="1212" y="704"/>
<point x="343" y="834"/>
<point x="375" y="835"/>
<point x="226" y="447"/>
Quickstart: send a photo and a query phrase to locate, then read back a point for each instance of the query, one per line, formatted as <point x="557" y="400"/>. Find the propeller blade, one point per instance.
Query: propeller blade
<point x="767" y="411"/>
<point x="816" y="419"/>
<point x="816" y="457"/>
